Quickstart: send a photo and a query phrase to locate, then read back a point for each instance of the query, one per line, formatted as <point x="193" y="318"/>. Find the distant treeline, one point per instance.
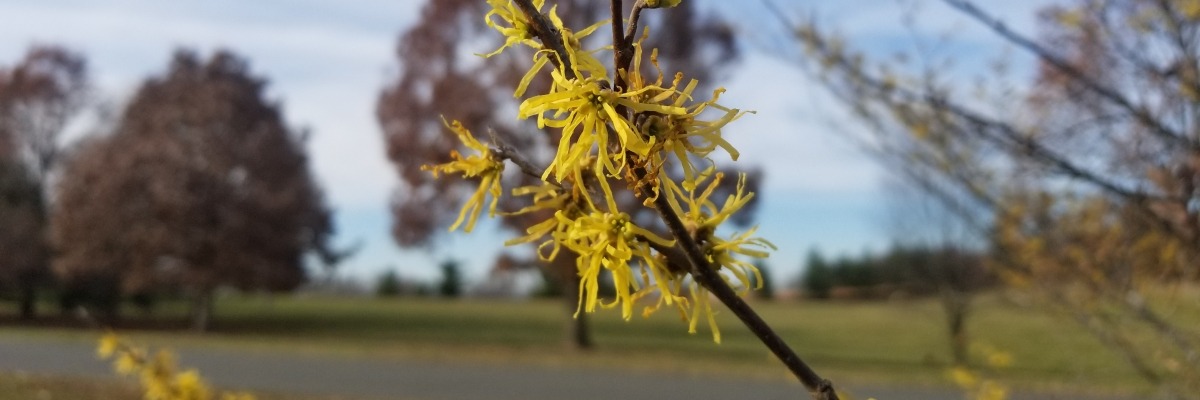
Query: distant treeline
<point x="901" y="271"/>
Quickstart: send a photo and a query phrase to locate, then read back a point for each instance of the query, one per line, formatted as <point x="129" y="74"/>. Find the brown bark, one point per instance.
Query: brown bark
<point x="201" y="311"/>
<point x="956" y="307"/>
<point x="28" y="297"/>
<point x="579" y="336"/>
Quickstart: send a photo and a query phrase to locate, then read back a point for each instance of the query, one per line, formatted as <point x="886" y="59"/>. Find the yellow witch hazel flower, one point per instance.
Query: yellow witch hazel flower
<point x="620" y="126"/>
<point x="516" y="30"/>
<point x="584" y="109"/>
<point x="703" y="217"/>
<point x="484" y="166"/>
<point x="684" y="134"/>
<point x="158" y="375"/>
<point x="609" y="241"/>
<point x="681" y="134"/>
<point x="512" y="24"/>
<point x="547" y="197"/>
<point x="108" y="345"/>
<point x="582" y="62"/>
<point x="702" y="214"/>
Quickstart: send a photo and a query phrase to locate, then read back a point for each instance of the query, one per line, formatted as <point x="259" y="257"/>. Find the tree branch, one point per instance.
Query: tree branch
<point x="549" y="35"/>
<point x="702" y="270"/>
<point x="505" y="151"/>
<point x="1138" y="112"/>
<point x="620" y="46"/>
<point x="997" y="132"/>
<point x="707" y="274"/>
<point x="634" y="16"/>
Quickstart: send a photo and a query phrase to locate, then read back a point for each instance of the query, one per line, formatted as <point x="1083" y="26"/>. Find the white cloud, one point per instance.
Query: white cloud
<point x="789" y="135"/>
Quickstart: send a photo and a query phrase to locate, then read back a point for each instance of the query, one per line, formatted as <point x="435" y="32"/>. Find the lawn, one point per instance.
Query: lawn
<point x="21" y="386"/>
<point x="883" y="342"/>
<point x="18" y="386"/>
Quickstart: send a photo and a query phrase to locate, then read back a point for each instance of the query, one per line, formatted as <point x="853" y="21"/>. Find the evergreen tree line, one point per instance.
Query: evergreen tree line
<point x="901" y="271"/>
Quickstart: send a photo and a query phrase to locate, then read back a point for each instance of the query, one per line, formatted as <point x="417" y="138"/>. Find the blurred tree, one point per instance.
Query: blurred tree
<point x="550" y="287"/>
<point x="388" y="284"/>
<point x="1089" y="177"/>
<point x="767" y="290"/>
<point x="201" y="185"/>
<point x="855" y="272"/>
<point x="438" y="76"/>
<point x="817" y="281"/>
<point x="452" y="285"/>
<point x="951" y="273"/>
<point x="936" y="250"/>
<point x="38" y="98"/>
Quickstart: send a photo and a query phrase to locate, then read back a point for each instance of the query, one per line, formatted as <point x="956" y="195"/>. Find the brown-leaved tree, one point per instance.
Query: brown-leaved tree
<point x="201" y="185"/>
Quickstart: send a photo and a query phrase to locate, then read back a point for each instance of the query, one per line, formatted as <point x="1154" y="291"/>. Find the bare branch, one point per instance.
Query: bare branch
<point x="1065" y="67"/>
<point x="996" y="132"/>
<point x="505" y="151"/>
<point x="549" y="35"/>
<point x="706" y="274"/>
<point x="634" y="16"/>
<point x="620" y="45"/>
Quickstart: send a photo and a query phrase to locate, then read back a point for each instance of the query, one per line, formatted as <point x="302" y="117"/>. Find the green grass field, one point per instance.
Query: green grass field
<point x="900" y="342"/>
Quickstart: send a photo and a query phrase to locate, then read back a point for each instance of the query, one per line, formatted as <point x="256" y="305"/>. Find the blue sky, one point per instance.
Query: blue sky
<point x="327" y="60"/>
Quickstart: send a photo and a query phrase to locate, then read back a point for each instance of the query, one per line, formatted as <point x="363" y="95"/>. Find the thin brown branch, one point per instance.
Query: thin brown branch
<point x="991" y="130"/>
<point x="706" y="274"/>
<point x="677" y="262"/>
<point x="1044" y="54"/>
<point x="505" y="151"/>
<point x="549" y="35"/>
<point x="634" y="16"/>
<point x="619" y="43"/>
<point x="622" y="52"/>
<point x="997" y="132"/>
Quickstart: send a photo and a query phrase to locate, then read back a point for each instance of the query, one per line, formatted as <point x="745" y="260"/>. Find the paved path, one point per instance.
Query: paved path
<point x="425" y="380"/>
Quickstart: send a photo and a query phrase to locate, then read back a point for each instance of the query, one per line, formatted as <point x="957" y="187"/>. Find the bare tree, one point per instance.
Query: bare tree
<point x="941" y="253"/>
<point x="201" y="185"/>
<point x="1089" y="178"/>
<point x="439" y="76"/>
<point x="38" y="98"/>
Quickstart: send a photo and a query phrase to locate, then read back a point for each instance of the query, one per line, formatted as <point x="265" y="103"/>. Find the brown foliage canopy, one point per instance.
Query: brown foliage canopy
<point x="202" y="184"/>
